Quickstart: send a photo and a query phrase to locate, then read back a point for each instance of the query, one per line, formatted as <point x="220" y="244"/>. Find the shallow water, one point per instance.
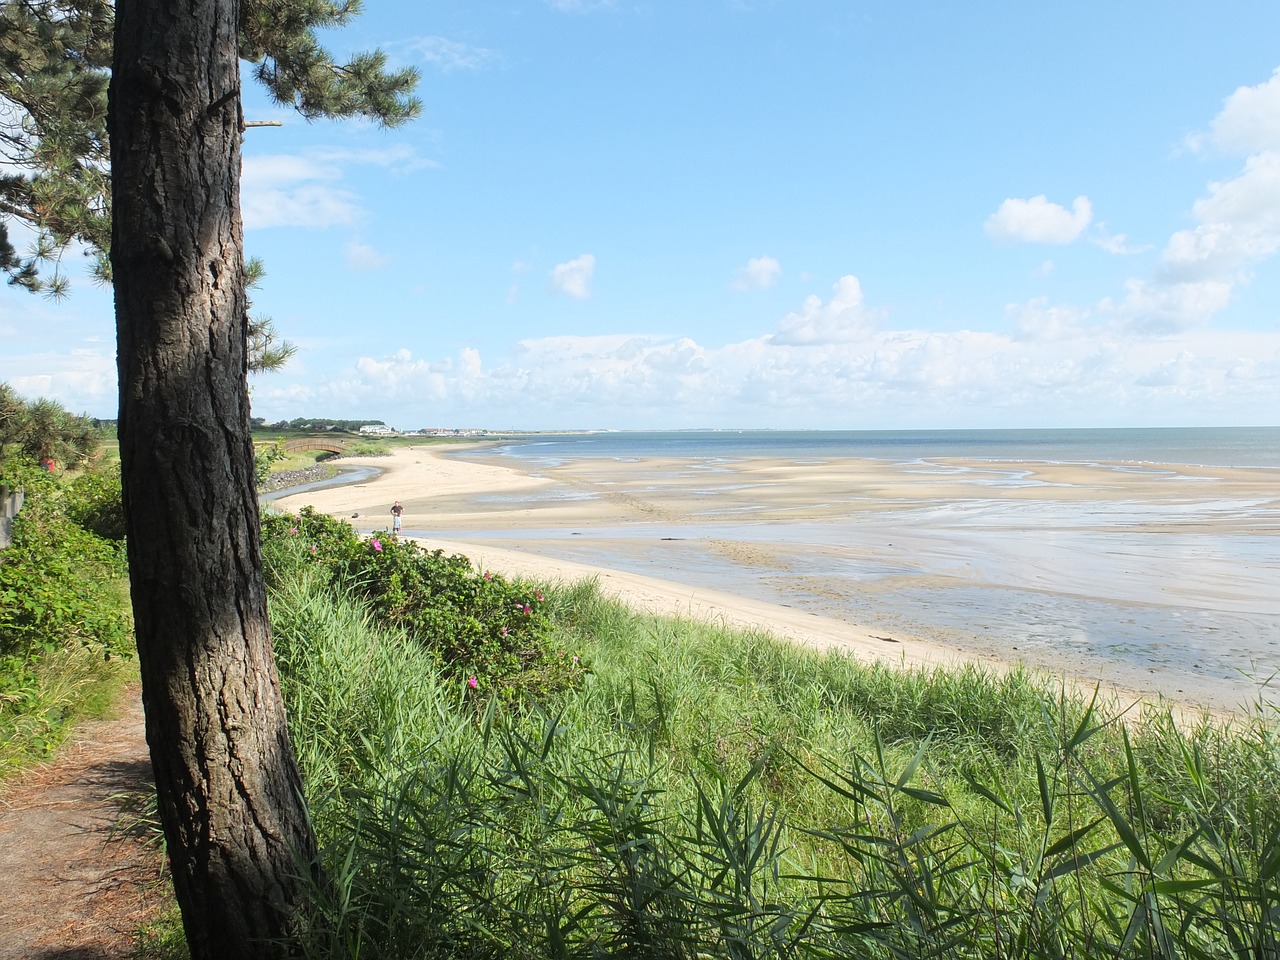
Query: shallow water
<point x="345" y="476"/>
<point x="1155" y="577"/>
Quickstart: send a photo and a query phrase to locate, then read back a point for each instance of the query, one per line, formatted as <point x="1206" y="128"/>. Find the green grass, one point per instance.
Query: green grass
<point x="703" y="793"/>
<point x="41" y="702"/>
<point x="300" y="460"/>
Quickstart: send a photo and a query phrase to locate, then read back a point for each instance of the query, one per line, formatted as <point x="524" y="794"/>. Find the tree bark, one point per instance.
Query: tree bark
<point x="239" y="839"/>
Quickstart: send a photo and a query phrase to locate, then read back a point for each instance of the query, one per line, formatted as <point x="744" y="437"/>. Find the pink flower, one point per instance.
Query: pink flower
<point x="488" y="575"/>
<point x="377" y="545"/>
<point x="537" y="596"/>
<point x="293" y="529"/>
<point x="575" y="659"/>
<point x="313" y="548"/>
<point x="504" y="631"/>
<point x="472" y="682"/>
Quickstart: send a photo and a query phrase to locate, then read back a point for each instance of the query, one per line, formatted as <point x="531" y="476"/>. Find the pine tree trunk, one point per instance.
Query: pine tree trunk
<point x="228" y="785"/>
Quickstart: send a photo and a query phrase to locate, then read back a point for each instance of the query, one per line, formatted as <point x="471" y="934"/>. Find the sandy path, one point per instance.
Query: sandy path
<point x="76" y="881"/>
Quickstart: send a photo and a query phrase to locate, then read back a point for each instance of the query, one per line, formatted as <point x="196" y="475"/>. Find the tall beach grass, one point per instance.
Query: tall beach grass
<point x="705" y="793"/>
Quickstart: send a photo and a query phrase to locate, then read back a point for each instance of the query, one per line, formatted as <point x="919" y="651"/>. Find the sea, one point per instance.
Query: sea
<point x="1200" y="446"/>
<point x="1177" y="595"/>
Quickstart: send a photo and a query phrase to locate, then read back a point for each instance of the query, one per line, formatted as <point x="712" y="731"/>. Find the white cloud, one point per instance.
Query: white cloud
<point x="294" y="191"/>
<point x="272" y="170"/>
<point x="1249" y="121"/>
<point x="1116" y="243"/>
<point x="285" y="190"/>
<point x="397" y="158"/>
<point x="1160" y="307"/>
<point x="1039" y="320"/>
<point x="760" y="273"/>
<point x="1238" y="222"/>
<point x="308" y="205"/>
<point x="362" y="257"/>
<point x="889" y="379"/>
<point x="1148" y="308"/>
<point x="840" y="320"/>
<point x="448" y="55"/>
<point x="1039" y="221"/>
<point x="82" y="379"/>
<point x="573" y="278"/>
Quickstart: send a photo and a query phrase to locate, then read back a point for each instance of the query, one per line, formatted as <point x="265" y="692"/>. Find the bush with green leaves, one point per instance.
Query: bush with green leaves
<point x="96" y="502"/>
<point x="264" y="455"/>
<point x="61" y="586"/>
<point x="481" y="626"/>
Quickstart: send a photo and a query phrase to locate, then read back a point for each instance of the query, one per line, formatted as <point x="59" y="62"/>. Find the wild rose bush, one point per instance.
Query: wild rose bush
<point x="480" y="625"/>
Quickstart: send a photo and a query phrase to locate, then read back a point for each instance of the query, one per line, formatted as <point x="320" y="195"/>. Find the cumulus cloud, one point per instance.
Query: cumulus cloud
<point x="840" y="320"/>
<point x="760" y="273"/>
<point x="1160" y="307"/>
<point x="294" y="191"/>
<point x="1039" y="221"/>
<point x="1249" y="121"/>
<point x="1037" y="319"/>
<point x="363" y="257"/>
<point x="1238" y="222"/>
<point x="889" y="378"/>
<point x="573" y="278"/>
<point x="286" y="190"/>
<point x="1236" y="225"/>
<point x="81" y="379"/>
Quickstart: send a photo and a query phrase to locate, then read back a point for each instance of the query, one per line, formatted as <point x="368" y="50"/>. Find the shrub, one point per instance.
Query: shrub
<point x="60" y="585"/>
<point x="96" y="502"/>
<point x="482" y="626"/>
<point x="264" y="456"/>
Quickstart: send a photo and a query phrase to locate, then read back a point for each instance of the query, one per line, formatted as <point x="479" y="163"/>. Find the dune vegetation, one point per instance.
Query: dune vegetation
<point x="517" y="770"/>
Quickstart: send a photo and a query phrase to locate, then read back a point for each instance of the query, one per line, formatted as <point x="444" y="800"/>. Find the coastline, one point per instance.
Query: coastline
<point x="753" y="545"/>
<point x="418" y="477"/>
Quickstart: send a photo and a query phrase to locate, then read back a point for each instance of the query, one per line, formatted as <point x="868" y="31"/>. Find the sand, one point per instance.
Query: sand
<point x="420" y="478"/>
<point x="928" y="563"/>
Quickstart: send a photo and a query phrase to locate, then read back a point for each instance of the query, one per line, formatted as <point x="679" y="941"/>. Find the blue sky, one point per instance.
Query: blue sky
<point x="764" y="213"/>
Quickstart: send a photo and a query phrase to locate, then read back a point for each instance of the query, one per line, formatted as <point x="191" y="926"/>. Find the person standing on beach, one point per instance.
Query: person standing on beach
<point x="396" y="510"/>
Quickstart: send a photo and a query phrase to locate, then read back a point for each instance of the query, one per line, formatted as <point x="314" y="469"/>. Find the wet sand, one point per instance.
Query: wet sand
<point x="1159" y="580"/>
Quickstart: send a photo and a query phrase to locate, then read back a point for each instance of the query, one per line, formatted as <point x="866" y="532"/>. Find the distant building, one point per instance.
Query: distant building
<point x="377" y="429"/>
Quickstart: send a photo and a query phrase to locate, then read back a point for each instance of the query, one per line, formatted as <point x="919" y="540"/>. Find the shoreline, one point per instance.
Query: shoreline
<point x="752" y="544"/>
<point x="399" y="479"/>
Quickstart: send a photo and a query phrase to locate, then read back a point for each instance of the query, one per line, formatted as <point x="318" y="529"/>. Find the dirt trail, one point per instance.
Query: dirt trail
<point x="78" y="876"/>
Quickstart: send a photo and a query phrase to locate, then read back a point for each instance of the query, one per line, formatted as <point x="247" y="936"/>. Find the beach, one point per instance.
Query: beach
<point x="1151" y="580"/>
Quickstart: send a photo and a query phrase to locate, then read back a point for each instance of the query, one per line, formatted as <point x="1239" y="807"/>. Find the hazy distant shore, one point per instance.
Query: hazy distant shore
<point x="1156" y="580"/>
